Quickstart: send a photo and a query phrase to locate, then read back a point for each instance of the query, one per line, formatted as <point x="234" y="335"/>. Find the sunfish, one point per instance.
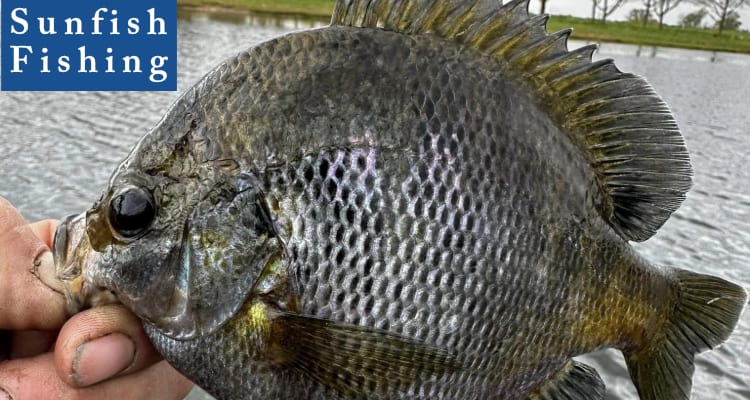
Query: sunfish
<point x="424" y="200"/>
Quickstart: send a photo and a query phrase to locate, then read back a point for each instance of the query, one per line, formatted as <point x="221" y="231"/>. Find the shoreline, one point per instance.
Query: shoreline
<point x="318" y="10"/>
<point x="240" y="11"/>
<point x="583" y="29"/>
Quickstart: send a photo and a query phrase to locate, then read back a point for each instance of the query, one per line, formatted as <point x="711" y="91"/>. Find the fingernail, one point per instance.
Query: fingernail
<point x="4" y="395"/>
<point x="102" y="358"/>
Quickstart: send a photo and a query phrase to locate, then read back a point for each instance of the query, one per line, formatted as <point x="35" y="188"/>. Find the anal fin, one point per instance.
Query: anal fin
<point x="357" y="362"/>
<point x="574" y="381"/>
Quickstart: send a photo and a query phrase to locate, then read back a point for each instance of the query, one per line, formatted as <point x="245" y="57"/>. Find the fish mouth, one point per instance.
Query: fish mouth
<point x="74" y="257"/>
<point x="79" y="272"/>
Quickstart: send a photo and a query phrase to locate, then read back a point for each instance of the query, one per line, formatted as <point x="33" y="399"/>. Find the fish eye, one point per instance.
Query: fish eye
<point x="131" y="212"/>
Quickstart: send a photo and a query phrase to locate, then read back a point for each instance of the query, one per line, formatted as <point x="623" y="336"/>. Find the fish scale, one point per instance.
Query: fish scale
<point x="429" y="203"/>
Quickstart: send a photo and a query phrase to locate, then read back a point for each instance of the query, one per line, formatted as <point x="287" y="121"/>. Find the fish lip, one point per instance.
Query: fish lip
<point x="60" y="242"/>
<point x="73" y="255"/>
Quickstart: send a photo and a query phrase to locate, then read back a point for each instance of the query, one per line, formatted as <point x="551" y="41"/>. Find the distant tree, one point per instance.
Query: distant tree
<point x="732" y="22"/>
<point x="719" y="10"/>
<point x="607" y="7"/>
<point x="664" y="7"/>
<point x="594" y="3"/>
<point x="640" y="15"/>
<point x="645" y="13"/>
<point x="694" y="19"/>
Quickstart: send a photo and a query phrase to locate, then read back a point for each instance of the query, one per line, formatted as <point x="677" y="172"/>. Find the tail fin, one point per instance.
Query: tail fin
<point x="705" y="315"/>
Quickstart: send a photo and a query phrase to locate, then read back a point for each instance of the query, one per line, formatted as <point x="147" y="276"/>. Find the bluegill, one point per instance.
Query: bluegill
<point x="426" y="199"/>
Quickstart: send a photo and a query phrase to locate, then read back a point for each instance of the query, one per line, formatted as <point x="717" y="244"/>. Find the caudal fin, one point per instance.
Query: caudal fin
<point x="705" y="315"/>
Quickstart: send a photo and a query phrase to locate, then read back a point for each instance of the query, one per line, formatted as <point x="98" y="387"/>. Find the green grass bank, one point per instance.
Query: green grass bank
<point x="316" y="8"/>
<point x="584" y="29"/>
<point x="651" y="35"/>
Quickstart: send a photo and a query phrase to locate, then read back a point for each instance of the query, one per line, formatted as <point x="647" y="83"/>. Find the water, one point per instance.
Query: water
<point x="58" y="149"/>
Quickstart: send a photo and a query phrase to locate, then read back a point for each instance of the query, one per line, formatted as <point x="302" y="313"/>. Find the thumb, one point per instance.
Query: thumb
<point x="27" y="303"/>
<point x="101" y="343"/>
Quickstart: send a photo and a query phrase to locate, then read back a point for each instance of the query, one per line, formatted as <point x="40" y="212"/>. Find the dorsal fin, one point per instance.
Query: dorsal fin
<point x="625" y="130"/>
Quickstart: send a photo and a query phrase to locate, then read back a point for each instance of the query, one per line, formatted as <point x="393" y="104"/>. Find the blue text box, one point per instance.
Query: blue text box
<point x="52" y="45"/>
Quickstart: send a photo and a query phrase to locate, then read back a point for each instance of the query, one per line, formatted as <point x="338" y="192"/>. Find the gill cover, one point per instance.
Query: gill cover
<point x="224" y="248"/>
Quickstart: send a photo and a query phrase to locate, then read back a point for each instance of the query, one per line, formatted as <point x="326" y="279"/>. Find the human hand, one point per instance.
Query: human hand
<point x="101" y="353"/>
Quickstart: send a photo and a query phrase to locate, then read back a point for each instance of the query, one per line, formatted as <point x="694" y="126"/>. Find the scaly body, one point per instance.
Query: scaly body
<point x="425" y="212"/>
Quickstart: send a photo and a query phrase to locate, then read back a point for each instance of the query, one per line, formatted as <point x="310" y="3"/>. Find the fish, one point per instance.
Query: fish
<point x="423" y="200"/>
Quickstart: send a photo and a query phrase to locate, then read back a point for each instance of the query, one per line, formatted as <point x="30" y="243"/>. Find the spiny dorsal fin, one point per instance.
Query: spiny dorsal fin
<point x="625" y="130"/>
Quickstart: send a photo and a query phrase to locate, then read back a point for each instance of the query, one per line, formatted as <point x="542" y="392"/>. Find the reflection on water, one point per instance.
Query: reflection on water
<point x="615" y="50"/>
<point x="58" y="149"/>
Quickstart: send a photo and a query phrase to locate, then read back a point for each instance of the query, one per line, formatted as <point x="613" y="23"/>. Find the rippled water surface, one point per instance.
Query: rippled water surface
<point x="58" y="149"/>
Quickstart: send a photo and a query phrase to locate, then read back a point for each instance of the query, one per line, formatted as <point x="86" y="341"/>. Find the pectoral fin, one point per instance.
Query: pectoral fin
<point x="354" y="361"/>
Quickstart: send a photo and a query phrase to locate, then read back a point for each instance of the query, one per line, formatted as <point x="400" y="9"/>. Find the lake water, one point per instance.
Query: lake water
<point x="58" y="149"/>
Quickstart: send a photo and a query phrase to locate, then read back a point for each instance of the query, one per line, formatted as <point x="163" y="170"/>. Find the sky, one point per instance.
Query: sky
<point x="582" y="8"/>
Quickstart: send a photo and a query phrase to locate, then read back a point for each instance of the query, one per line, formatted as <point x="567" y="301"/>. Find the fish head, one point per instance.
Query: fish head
<point x="179" y="239"/>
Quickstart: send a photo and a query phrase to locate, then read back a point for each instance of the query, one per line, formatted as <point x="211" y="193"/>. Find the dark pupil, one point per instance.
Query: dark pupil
<point x="131" y="212"/>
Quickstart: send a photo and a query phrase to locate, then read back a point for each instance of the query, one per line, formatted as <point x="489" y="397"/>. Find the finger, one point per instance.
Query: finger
<point x="100" y="343"/>
<point x="5" y="339"/>
<point x="45" y="230"/>
<point x="36" y="378"/>
<point x="25" y="301"/>
<point x="31" y="343"/>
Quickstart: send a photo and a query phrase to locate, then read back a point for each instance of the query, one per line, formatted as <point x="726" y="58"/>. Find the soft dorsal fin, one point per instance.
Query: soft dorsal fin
<point x="625" y="130"/>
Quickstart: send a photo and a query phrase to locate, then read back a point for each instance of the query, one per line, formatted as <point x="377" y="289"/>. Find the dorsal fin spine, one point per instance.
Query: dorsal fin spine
<point x="582" y="97"/>
<point x="538" y="50"/>
<point x="515" y="37"/>
<point x="482" y="35"/>
<point x="562" y="61"/>
<point x="432" y="17"/>
<point x="462" y="19"/>
<point x="556" y="64"/>
<point x="578" y="77"/>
